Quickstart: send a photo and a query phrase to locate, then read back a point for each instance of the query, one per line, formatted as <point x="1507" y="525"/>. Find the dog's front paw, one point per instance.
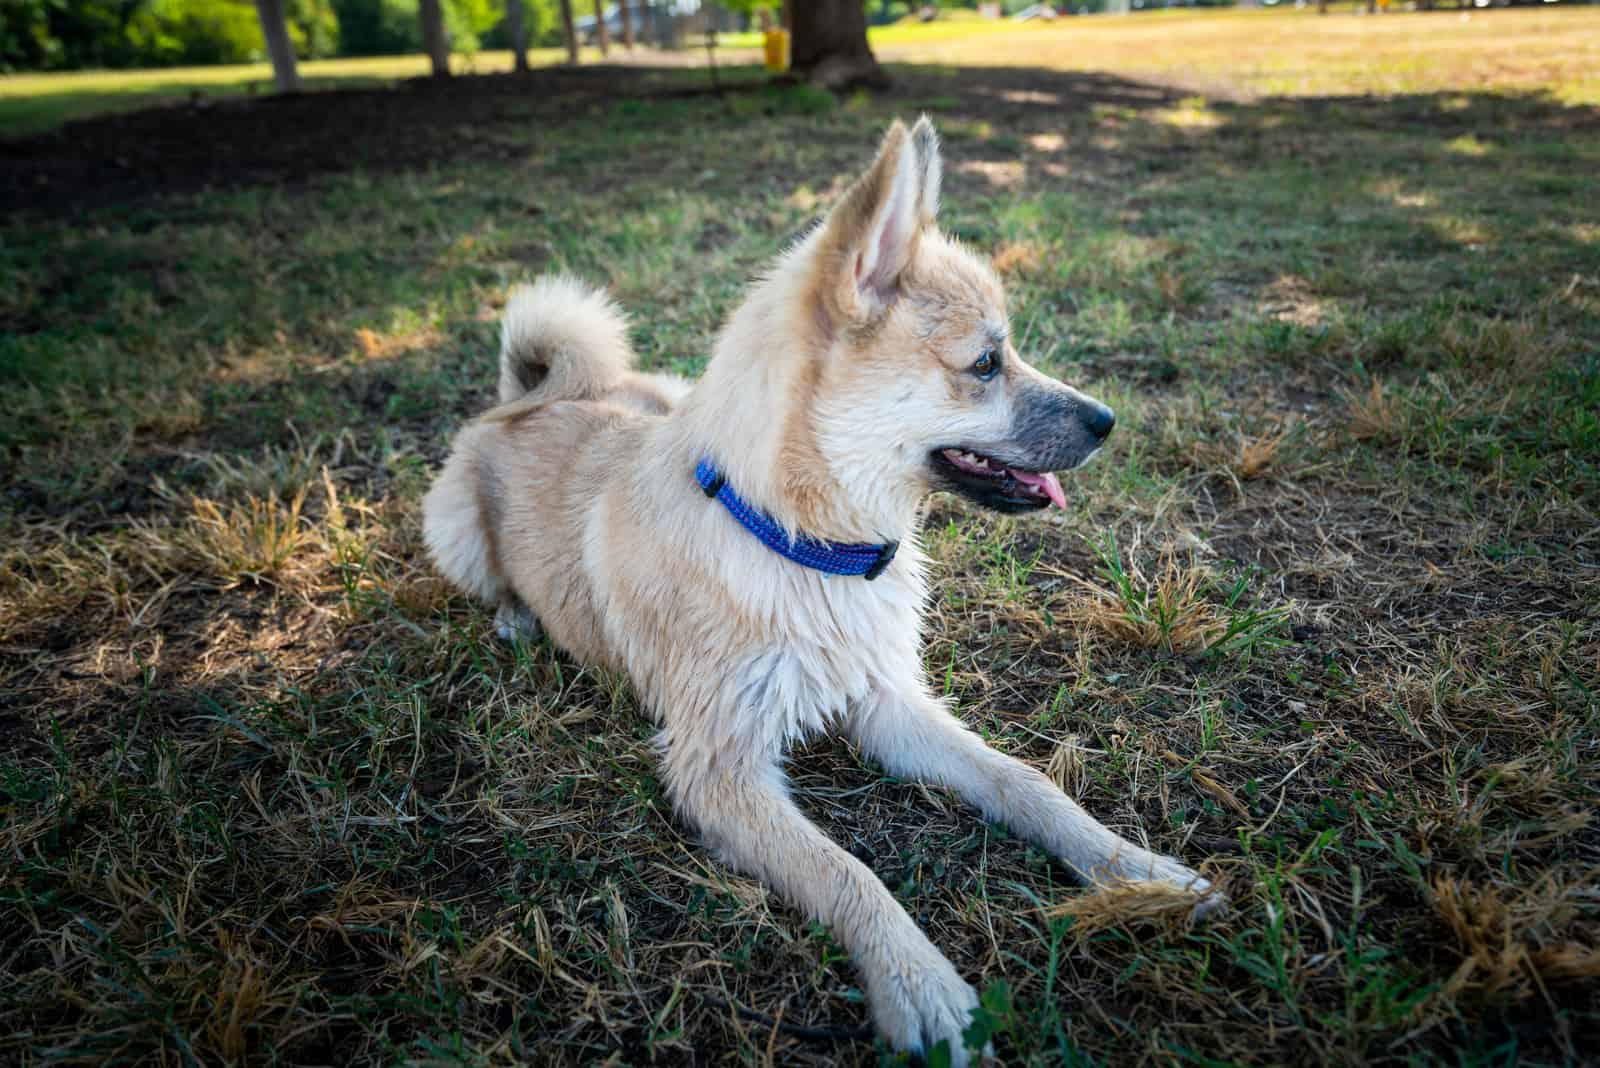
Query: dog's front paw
<point x="514" y="622"/>
<point x="919" y="1000"/>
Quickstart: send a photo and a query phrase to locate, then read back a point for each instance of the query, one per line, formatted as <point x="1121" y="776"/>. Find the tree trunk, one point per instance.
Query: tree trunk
<point x="627" y="25"/>
<point x="601" y="37"/>
<point x="434" y="40"/>
<point x="519" y="37"/>
<point x="1322" y="7"/>
<point x="570" y="30"/>
<point x="829" y="47"/>
<point x="276" y="30"/>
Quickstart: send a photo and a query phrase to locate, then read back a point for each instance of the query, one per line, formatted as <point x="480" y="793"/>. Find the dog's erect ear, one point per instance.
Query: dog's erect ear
<point x="926" y="141"/>
<point x="874" y="230"/>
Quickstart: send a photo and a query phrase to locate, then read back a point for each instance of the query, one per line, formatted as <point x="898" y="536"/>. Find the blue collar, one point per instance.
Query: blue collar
<point x="832" y="557"/>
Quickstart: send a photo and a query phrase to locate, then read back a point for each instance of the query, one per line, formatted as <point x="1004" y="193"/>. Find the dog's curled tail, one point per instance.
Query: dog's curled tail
<point x="565" y="339"/>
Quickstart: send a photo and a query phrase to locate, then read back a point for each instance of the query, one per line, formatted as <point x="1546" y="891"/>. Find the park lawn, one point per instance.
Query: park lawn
<point x="1285" y="52"/>
<point x="1323" y="618"/>
<point x="33" y="103"/>
<point x="1232" y="52"/>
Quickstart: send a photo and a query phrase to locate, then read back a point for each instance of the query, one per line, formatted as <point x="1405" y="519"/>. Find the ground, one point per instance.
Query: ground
<point x="1323" y="620"/>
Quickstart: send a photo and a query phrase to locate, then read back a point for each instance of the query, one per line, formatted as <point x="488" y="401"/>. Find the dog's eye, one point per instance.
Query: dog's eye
<point x="987" y="365"/>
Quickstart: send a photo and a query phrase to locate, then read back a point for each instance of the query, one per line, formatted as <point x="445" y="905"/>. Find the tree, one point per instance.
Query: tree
<point x="829" y="44"/>
<point x="601" y="37"/>
<point x="434" y="40"/>
<point x="627" y="25"/>
<point x="519" y="38"/>
<point x="275" y="28"/>
<point x="570" y="30"/>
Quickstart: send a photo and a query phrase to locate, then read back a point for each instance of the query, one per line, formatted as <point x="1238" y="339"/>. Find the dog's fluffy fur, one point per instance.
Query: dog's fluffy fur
<point x="866" y="370"/>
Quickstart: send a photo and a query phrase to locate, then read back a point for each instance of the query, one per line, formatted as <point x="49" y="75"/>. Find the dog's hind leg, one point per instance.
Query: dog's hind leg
<point x="515" y="621"/>
<point x="914" y="736"/>
<point x="744" y="812"/>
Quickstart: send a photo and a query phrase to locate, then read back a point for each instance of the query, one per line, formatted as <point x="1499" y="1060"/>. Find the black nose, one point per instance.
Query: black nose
<point x="1099" y="420"/>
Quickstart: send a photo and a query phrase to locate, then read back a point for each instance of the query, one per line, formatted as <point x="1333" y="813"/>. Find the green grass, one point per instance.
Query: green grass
<point x="1323" y="616"/>
<point x="32" y="103"/>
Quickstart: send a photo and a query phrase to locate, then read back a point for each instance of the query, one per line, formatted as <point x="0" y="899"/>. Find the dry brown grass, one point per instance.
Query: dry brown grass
<point x="1375" y="414"/>
<point x="1016" y="258"/>
<point x="1171" y="614"/>
<point x="247" y="541"/>
<point x="1518" y="943"/>
<point x="1165" y="908"/>
<point x="1173" y="603"/>
<point x="1255" y="456"/>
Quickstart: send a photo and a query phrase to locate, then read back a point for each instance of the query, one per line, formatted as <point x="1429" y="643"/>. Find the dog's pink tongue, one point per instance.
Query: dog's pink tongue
<point x="1046" y="482"/>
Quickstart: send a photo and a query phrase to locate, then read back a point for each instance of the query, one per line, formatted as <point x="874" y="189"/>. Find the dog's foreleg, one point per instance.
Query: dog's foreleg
<point x="915" y="736"/>
<point x="916" y="995"/>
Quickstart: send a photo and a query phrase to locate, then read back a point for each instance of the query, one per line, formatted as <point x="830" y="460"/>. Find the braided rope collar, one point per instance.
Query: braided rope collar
<point x="832" y="557"/>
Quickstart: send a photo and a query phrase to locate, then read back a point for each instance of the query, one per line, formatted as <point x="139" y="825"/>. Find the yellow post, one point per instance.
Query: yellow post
<point x="777" y="43"/>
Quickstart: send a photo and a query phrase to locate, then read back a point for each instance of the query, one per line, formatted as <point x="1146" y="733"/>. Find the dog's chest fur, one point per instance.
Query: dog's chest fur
<point x="838" y="639"/>
<point x="737" y="649"/>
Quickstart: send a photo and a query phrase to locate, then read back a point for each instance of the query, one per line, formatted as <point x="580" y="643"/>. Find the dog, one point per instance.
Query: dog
<point x="745" y="548"/>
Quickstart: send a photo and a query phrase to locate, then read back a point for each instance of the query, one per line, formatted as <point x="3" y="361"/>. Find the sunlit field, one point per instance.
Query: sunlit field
<point x="1289" y="52"/>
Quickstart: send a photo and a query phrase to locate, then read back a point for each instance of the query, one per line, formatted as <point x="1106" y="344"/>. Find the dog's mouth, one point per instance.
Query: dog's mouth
<point x="993" y="484"/>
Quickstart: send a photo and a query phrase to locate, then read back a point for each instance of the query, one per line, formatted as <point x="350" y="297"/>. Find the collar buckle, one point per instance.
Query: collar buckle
<point x="885" y="558"/>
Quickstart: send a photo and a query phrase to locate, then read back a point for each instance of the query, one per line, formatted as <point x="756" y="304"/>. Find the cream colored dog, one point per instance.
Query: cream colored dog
<point x="732" y="546"/>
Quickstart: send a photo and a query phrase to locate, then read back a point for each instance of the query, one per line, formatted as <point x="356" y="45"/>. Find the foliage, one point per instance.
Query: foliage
<point x="467" y="20"/>
<point x="314" y="28"/>
<point x="25" y="38"/>
<point x="541" y="21"/>
<point x="378" y="27"/>
<point x="72" y="34"/>
<point x="391" y="27"/>
<point x="61" y="35"/>
<point x="197" y="31"/>
<point x="750" y="7"/>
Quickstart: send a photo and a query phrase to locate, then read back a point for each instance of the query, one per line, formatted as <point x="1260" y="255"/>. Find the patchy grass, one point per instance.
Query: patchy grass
<point x="1323" y="617"/>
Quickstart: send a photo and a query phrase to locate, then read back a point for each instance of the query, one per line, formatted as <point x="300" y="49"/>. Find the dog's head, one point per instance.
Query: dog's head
<point x="922" y="387"/>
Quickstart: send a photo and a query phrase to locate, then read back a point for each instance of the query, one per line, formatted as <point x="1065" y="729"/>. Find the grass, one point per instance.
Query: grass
<point x="1323" y="616"/>
<point x="32" y="103"/>
<point x="1289" y="53"/>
